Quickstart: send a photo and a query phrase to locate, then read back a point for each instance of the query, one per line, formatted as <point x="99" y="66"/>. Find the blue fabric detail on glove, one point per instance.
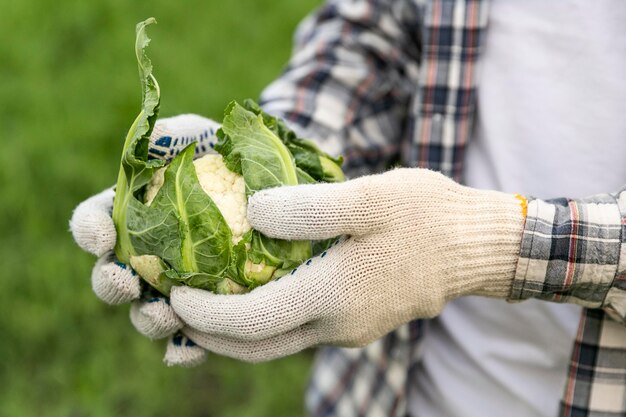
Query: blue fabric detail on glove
<point x="164" y="141"/>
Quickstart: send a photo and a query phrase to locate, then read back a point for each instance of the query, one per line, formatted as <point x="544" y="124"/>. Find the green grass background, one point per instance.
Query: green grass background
<point x="68" y="92"/>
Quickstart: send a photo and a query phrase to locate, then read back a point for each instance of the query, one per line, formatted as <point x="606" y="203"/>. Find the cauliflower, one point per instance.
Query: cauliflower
<point x="228" y="191"/>
<point x="183" y="222"/>
<point x="226" y="188"/>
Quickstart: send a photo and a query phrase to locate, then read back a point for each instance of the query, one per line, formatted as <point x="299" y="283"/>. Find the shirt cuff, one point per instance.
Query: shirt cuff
<point x="571" y="252"/>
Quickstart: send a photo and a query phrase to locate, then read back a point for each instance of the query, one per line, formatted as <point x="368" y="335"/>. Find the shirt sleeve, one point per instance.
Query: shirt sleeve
<point x="575" y="251"/>
<point x="350" y="79"/>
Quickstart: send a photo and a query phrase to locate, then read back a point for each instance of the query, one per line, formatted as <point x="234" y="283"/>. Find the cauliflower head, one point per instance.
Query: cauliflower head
<point x="226" y="188"/>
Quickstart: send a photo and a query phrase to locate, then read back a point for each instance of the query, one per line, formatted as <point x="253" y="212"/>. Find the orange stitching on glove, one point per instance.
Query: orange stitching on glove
<point x="524" y="203"/>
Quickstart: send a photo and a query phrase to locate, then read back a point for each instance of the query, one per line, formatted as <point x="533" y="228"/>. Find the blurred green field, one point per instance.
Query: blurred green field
<point x="68" y="92"/>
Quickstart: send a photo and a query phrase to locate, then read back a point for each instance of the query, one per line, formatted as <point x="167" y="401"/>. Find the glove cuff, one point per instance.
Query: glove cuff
<point x="489" y="232"/>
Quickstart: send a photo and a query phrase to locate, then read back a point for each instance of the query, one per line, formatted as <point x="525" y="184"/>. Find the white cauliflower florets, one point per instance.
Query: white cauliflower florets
<point x="226" y="189"/>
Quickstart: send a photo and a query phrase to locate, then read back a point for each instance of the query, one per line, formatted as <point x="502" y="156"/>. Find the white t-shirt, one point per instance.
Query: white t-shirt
<point x="551" y="123"/>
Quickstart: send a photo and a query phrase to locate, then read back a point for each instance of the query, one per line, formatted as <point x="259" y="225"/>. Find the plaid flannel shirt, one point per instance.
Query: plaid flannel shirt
<point x="385" y="82"/>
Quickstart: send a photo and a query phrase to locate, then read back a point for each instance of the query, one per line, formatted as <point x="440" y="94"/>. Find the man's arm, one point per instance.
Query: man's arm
<point x="575" y="251"/>
<point x="350" y="80"/>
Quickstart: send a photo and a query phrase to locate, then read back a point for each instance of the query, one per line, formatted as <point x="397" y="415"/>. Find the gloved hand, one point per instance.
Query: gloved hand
<point x="116" y="283"/>
<point x="413" y="241"/>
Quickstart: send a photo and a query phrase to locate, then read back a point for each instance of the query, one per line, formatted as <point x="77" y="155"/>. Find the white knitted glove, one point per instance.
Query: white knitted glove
<point x="116" y="283"/>
<point x="413" y="241"/>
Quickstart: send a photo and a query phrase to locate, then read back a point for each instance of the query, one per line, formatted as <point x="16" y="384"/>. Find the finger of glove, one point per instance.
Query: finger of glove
<point x="114" y="282"/>
<point x="173" y="134"/>
<point x="92" y="225"/>
<point x="312" y="211"/>
<point x="182" y="351"/>
<point x="255" y="351"/>
<point x="154" y="318"/>
<point x="275" y="308"/>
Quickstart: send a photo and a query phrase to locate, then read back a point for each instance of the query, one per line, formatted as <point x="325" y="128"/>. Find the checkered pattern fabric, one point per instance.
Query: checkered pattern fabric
<point x="387" y="82"/>
<point x="571" y="252"/>
<point x="596" y="383"/>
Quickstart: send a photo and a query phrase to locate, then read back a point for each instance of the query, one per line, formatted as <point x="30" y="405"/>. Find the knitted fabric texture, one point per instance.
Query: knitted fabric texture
<point x="413" y="241"/>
